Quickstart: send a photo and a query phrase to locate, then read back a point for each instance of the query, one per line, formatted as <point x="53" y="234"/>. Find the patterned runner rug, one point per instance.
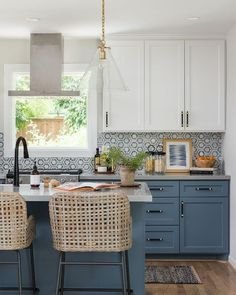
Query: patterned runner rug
<point x="171" y="275"/>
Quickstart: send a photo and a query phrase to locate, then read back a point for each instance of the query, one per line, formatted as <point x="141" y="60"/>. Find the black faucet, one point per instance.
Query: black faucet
<point x="16" y="161"/>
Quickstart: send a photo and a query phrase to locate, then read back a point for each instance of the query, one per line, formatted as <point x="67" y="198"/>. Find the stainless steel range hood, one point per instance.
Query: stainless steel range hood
<point x="46" y="65"/>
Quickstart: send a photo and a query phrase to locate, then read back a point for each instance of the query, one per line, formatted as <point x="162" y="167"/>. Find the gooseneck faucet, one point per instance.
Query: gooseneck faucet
<point x="16" y="160"/>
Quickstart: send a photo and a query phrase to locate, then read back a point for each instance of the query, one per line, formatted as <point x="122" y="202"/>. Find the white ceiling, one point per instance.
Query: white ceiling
<point x="81" y="18"/>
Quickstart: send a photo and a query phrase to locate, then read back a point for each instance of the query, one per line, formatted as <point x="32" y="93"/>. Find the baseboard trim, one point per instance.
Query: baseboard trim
<point x="232" y="262"/>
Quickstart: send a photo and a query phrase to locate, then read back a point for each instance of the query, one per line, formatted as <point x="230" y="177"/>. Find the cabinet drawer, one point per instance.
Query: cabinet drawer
<point x="164" y="211"/>
<point x="203" y="188"/>
<point x="164" y="188"/>
<point x="162" y="239"/>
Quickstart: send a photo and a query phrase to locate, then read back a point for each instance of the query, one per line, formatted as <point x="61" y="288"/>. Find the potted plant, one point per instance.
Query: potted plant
<point x="128" y="165"/>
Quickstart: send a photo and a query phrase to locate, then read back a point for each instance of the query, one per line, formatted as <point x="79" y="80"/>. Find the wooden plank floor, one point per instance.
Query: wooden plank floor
<point x="218" y="278"/>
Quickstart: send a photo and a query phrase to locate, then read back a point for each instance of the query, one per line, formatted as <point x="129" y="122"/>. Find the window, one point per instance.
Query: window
<point x="52" y="126"/>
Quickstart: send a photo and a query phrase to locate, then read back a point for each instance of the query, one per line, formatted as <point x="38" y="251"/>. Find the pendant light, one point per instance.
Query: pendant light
<point x="103" y="65"/>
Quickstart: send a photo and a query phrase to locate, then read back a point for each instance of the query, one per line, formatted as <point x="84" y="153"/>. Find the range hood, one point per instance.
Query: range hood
<point x="46" y="65"/>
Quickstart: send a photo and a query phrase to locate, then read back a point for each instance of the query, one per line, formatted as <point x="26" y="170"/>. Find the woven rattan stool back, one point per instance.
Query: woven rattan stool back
<point x="13" y="222"/>
<point x="97" y="222"/>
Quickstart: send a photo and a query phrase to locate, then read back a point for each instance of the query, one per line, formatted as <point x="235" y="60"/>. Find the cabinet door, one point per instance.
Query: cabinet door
<point x="164" y="85"/>
<point x="124" y="110"/>
<point x="204" y="225"/>
<point x="205" y="85"/>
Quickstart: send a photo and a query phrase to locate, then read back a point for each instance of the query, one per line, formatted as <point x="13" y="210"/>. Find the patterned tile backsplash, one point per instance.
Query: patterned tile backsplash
<point x="130" y="143"/>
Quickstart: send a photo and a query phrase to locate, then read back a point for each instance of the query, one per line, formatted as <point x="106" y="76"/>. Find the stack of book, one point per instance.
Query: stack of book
<point x="205" y="171"/>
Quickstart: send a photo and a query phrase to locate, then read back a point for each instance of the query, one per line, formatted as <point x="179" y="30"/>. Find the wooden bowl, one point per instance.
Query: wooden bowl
<point x="205" y="163"/>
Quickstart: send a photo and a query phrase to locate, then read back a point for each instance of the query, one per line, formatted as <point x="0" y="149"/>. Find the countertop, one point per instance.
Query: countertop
<point x="149" y="177"/>
<point x="137" y="194"/>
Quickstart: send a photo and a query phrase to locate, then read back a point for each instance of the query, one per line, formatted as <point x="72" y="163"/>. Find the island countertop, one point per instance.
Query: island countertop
<point x="135" y="194"/>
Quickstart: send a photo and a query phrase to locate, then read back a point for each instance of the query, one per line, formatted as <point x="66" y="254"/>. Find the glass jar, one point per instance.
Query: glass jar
<point x="150" y="162"/>
<point x="160" y="163"/>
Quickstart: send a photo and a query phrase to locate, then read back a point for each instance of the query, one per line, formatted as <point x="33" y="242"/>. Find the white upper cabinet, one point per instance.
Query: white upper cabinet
<point x="164" y="85"/>
<point x="173" y="85"/>
<point x="205" y="85"/>
<point x="124" y="110"/>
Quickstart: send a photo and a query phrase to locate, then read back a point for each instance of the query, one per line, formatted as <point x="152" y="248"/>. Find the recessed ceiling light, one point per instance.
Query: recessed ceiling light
<point x="32" y="19"/>
<point x="192" y="18"/>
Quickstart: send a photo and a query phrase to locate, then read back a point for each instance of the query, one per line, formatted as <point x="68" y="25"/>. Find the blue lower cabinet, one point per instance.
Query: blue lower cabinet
<point x="162" y="239"/>
<point x="188" y="217"/>
<point x="163" y="211"/>
<point x="204" y="225"/>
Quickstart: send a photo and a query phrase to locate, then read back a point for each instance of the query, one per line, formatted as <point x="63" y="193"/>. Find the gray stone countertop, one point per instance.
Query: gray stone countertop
<point x="149" y="177"/>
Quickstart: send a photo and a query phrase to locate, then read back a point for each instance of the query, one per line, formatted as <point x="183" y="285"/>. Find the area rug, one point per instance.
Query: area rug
<point x="171" y="275"/>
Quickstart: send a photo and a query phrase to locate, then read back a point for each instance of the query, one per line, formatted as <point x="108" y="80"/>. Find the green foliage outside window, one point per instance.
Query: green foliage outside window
<point x="73" y="109"/>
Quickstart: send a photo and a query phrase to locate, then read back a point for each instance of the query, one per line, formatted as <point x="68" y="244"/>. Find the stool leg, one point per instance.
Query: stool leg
<point x="32" y="268"/>
<point x="19" y="272"/>
<point x="59" y="274"/>
<point x="62" y="272"/>
<point x="127" y="272"/>
<point x="123" y="267"/>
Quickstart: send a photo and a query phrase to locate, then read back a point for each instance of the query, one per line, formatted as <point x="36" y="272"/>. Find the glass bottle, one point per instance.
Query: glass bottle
<point x="35" y="177"/>
<point x="96" y="160"/>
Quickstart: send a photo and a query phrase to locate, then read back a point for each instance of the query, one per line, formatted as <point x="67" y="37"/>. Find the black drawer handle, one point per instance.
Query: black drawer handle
<point x="155" y="211"/>
<point x="182" y="209"/>
<point x="161" y="189"/>
<point x="155" y="240"/>
<point x="204" y="188"/>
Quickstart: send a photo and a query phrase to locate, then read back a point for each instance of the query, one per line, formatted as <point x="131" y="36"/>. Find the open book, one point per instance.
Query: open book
<point x="85" y="186"/>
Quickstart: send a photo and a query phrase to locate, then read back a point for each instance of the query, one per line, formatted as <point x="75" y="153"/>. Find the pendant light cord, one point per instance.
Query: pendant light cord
<point x="103" y="21"/>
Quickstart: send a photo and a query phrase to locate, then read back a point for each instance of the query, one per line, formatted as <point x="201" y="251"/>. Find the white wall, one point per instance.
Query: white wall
<point x="230" y="137"/>
<point x="16" y="51"/>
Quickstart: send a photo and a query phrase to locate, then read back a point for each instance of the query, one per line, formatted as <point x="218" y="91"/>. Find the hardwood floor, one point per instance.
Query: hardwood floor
<point x="218" y="278"/>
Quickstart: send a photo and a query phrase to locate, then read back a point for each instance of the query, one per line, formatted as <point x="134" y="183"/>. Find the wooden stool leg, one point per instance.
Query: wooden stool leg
<point x="19" y="272"/>
<point x="127" y="272"/>
<point x="59" y="274"/>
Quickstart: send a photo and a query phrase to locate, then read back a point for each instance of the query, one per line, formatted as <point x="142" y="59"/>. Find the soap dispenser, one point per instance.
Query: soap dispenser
<point x="35" y="177"/>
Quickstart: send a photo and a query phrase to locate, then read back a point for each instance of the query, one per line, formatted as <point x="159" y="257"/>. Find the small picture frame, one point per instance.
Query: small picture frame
<point x="178" y="155"/>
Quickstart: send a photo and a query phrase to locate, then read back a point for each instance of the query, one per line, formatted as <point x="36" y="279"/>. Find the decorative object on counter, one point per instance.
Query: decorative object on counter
<point x="35" y="177"/>
<point x="150" y="160"/>
<point x="128" y="165"/>
<point x="178" y="154"/>
<point x="96" y="160"/>
<point x="103" y="63"/>
<point x="46" y="182"/>
<point x="205" y="161"/>
<point x="54" y="183"/>
<point x="160" y="163"/>
<point x="106" y="163"/>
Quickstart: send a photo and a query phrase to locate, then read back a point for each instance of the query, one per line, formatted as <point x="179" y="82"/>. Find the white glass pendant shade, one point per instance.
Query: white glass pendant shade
<point x="105" y="70"/>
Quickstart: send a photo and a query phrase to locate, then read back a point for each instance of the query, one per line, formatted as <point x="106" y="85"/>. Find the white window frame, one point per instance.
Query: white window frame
<point x="9" y="118"/>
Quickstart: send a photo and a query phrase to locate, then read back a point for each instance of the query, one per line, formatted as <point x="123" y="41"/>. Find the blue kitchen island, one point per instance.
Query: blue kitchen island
<point x="46" y="258"/>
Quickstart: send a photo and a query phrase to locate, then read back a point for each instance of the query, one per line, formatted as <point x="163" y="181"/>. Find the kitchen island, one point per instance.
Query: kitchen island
<point x="46" y="258"/>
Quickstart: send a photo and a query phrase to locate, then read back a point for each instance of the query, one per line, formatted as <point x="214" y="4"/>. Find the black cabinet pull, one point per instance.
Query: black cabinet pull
<point x="161" y="189"/>
<point x="182" y="209"/>
<point x="182" y="119"/>
<point x="155" y="240"/>
<point x="106" y="119"/>
<point x="204" y="188"/>
<point x="155" y="211"/>
<point x="187" y="119"/>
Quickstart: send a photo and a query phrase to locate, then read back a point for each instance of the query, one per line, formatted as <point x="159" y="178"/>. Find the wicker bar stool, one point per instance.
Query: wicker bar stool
<point x="91" y="222"/>
<point x="16" y="233"/>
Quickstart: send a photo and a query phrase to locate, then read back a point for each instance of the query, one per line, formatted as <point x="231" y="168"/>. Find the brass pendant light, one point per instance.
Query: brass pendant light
<point x="103" y="65"/>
